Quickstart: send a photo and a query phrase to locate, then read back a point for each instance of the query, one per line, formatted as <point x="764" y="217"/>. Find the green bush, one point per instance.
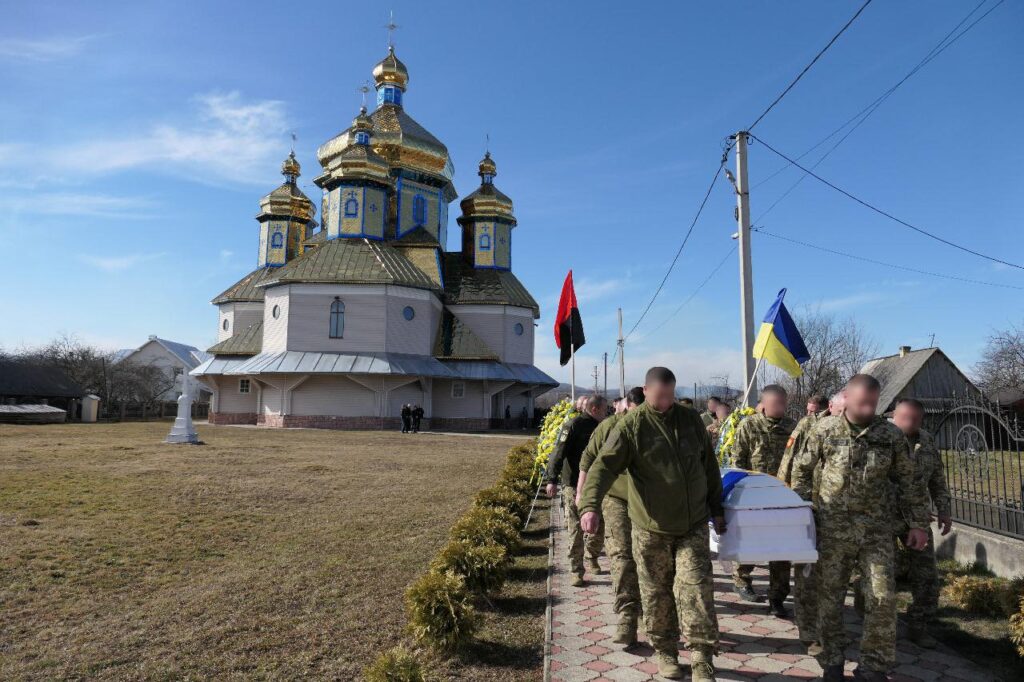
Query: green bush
<point x="520" y="485"/>
<point x="977" y="595"/>
<point x="439" y="610"/>
<point x="487" y="525"/>
<point x="1013" y="592"/>
<point x="503" y="497"/>
<point x="1017" y="628"/>
<point x="482" y="567"/>
<point x="395" y="665"/>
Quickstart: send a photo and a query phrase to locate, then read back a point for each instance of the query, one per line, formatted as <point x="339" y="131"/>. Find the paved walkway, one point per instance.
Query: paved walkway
<point x="754" y="644"/>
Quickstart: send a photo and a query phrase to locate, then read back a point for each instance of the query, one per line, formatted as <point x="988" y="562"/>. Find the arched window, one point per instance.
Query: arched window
<point x="351" y="206"/>
<point x="337" y="319"/>
<point x="419" y="210"/>
<point x="276" y="240"/>
<point x="485" y="242"/>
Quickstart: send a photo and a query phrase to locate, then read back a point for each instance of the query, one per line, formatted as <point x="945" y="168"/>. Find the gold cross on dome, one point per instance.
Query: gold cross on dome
<point x="391" y="26"/>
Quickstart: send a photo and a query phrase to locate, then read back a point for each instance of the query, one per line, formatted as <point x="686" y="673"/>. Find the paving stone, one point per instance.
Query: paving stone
<point x="767" y="664"/>
<point x="622" y="659"/>
<point x="597" y="650"/>
<point x="627" y="675"/>
<point x="573" y="659"/>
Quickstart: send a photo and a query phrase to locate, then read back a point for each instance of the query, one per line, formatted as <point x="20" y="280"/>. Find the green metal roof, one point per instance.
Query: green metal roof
<point x="464" y="284"/>
<point x="246" y="288"/>
<point x="456" y="341"/>
<point x="352" y="261"/>
<point x="247" y="342"/>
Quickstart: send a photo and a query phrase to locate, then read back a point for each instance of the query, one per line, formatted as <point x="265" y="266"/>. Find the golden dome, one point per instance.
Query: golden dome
<point x="362" y="123"/>
<point x="391" y="70"/>
<point x="487" y="166"/>
<point x="291" y="168"/>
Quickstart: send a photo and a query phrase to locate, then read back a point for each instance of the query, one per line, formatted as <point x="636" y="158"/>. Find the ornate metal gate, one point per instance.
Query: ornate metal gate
<point x="981" y="449"/>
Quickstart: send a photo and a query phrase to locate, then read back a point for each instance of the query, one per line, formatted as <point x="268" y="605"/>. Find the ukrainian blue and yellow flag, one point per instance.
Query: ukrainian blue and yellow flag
<point x="779" y="341"/>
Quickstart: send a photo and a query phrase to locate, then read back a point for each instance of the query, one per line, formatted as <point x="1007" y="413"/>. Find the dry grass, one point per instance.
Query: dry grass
<point x="263" y="554"/>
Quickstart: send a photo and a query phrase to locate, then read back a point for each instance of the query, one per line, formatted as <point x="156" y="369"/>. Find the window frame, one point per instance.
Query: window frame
<point x="420" y="211"/>
<point x="458" y="395"/>
<point x="244" y="386"/>
<point x="277" y="240"/>
<point x="336" y="328"/>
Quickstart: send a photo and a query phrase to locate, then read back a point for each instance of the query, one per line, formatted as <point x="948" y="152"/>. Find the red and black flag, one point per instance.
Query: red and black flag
<point x="568" y="323"/>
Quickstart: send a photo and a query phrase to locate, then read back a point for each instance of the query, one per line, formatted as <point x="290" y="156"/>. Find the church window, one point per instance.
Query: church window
<point x="276" y="240"/>
<point x="408" y="313"/>
<point x="458" y="389"/>
<point x="485" y="242"/>
<point x="225" y="325"/>
<point x="419" y="210"/>
<point x="337" y="319"/>
<point x="351" y="206"/>
<point x="362" y="138"/>
<point x="518" y="329"/>
<point x="244" y="386"/>
<point x="276" y="312"/>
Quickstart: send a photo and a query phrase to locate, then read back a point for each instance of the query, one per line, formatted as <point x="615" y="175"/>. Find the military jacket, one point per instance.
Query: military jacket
<point x="600" y="435"/>
<point x="857" y="470"/>
<point x="760" y="442"/>
<point x="673" y="473"/>
<point x="564" y="464"/>
<point x="929" y="472"/>
<point x="796" y="442"/>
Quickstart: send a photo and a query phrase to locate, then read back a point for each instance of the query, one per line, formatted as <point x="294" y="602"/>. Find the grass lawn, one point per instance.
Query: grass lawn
<point x="262" y="554"/>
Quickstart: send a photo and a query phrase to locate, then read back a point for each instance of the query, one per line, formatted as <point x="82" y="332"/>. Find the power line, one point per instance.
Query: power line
<point x="879" y="211"/>
<point x="867" y="111"/>
<point x="761" y="230"/>
<point x="697" y="290"/>
<point x="809" y="65"/>
<point x="679" y="251"/>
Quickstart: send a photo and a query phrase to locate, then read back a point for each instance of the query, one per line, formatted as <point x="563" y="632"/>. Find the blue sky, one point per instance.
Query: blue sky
<point x="136" y="141"/>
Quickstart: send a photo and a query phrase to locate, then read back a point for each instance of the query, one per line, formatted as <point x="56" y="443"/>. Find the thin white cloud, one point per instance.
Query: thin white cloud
<point x="851" y="301"/>
<point x="43" y="49"/>
<point x="80" y="204"/>
<point x="118" y="263"/>
<point x="227" y="140"/>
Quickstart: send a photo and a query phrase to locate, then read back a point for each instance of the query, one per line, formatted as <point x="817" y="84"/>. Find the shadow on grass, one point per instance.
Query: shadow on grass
<point x="519" y="605"/>
<point x="526" y="574"/>
<point x="532" y="551"/>
<point x="498" y="654"/>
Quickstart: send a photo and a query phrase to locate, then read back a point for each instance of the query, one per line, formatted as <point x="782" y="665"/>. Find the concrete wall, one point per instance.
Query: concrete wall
<point x="1002" y="555"/>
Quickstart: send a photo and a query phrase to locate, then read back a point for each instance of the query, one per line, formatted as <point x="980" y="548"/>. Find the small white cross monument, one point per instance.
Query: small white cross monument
<point x="183" y="430"/>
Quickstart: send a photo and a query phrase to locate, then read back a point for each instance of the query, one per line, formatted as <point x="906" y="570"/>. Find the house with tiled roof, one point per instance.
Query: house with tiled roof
<point x="926" y="374"/>
<point x="345" y="320"/>
<point x="172" y="357"/>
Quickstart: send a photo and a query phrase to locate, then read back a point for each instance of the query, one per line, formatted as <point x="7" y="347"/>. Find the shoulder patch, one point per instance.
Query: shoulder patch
<point x="789" y="443"/>
<point x="564" y="436"/>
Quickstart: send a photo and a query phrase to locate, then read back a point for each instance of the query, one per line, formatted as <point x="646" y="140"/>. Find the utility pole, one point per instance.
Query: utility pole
<point x="746" y="271"/>
<point x="622" y="358"/>
<point x="606" y="375"/>
<point x="596" y="373"/>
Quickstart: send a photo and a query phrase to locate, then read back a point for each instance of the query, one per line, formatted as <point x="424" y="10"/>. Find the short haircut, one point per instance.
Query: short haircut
<point x="595" y="402"/>
<point x="913" y="402"/>
<point x="716" y="399"/>
<point x="686" y="401"/>
<point x="635" y="396"/>
<point x="818" y="399"/>
<point x="864" y="381"/>
<point x="774" y="389"/>
<point x="659" y="375"/>
<point x="838" y="395"/>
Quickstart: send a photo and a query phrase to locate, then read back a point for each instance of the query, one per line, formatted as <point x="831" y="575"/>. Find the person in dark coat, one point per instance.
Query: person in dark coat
<point x="406" y="418"/>
<point x="417" y="417"/>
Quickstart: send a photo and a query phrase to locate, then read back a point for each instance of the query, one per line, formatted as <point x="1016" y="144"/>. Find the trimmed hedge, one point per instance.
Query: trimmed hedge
<point x="1017" y="628"/>
<point x="979" y="595"/>
<point x="487" y="525"/>
<point x="397" y="664"/>
<point x="440" y="612"/>
<point x="504" y="497"/>
<point x="482" y="567"/>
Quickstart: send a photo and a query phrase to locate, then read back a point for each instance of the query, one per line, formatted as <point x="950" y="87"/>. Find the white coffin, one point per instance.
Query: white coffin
<point x="766" y="522"/>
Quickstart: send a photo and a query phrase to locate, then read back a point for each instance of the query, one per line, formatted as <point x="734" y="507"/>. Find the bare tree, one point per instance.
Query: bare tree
<point x="838" y="347"/>
<point x="1002" y="362"/>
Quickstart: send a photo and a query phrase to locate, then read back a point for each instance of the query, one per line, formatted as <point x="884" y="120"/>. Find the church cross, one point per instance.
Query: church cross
<point x="391" y="26"/>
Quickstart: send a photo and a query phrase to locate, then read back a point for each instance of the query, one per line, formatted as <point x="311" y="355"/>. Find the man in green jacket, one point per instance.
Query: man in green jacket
<point x="674" y="484"/>
<point x="617" y="527"/>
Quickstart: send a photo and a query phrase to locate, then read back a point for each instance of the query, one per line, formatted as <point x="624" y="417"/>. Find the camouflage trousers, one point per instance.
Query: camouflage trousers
<point x="805" y="601"/>
<point x="778" y="578"/>
<point x="923" y="576"/>
<point x="618" y="540"/>
<point x="578" y="540"/>
<point x="846" y="542"/>
<point x="676" y="586"/>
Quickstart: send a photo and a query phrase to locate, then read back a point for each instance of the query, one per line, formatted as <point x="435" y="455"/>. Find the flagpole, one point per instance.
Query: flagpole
<point x="753" y="378"/>
<point x="572" y="359"/>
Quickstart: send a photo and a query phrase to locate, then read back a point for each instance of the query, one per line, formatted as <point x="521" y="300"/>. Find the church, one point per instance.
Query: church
<point x="346" y="320"/>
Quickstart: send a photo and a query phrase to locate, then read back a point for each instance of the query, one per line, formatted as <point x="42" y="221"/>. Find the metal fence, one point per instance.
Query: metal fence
<point x="981" y="449"/>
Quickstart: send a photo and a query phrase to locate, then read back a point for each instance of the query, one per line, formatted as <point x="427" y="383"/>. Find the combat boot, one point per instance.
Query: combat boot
<point x="701" y="668"/>
<point x="777" y="608"/>
<point x="595" y="567"/>
<point x="746" y="593"/>
<point x="833" y="673"/>
<point x="625" y="633"/>
<point x="919" y="635"/>
<point x="577" y="580"/>
<point x="668" y="665"/>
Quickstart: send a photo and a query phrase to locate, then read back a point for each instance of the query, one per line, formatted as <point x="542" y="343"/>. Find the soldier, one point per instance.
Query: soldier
<point x="759" y="445"/>
<point x="617" y="527"/>
<point x="673" y="483"/>
<point x="565" y="465"/>
<point x="805" y="598"/>
<point x="816" y="404"/>
<point x="417" y="417"/>
<point x="861" y="454"/>
<point x="924" y="577"/>
<point x="708" y="415"/>
<point x="406" y="418"/>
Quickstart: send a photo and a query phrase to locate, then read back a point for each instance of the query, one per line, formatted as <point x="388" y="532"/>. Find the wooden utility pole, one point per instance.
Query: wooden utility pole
<point x="606" y="375"/>
<point x="622" y="358"/>
<point x="746" y="270"/>
<point x="596" y="374"/>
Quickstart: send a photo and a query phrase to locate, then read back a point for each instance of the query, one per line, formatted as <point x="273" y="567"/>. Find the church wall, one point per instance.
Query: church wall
<point x="239" y="317"/>
<point x="414" y="336"/>
<point x="470" y="405"/>
<point x="519" y="348"/>
<point x="310" y="319"/>
<point x="275" y="330"/>
<point x="230" y="400"/>
<point x="333" y="395"/>
<point x="270" y="401"/>
<point x="495" y="325"/>
<point x="409" y="393"/>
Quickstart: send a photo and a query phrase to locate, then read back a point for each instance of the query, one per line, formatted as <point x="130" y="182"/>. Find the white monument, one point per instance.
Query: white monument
<point x="183" y="431"/>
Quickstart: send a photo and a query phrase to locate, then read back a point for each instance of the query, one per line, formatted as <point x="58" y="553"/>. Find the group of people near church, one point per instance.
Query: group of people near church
<point x="412" y="415"/>
<point x="643" y="484"/>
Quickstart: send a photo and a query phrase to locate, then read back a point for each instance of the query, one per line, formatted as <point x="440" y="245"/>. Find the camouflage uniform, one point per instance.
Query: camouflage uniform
<point x="805" y="586"/>
<point x="855" y="525"/>
<point x="924" y="576"/>
<point x="674" y="482"/>
<point x="564" y="465"/>
<point x="617" y="528"/>
<point x="759" y="446"/>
